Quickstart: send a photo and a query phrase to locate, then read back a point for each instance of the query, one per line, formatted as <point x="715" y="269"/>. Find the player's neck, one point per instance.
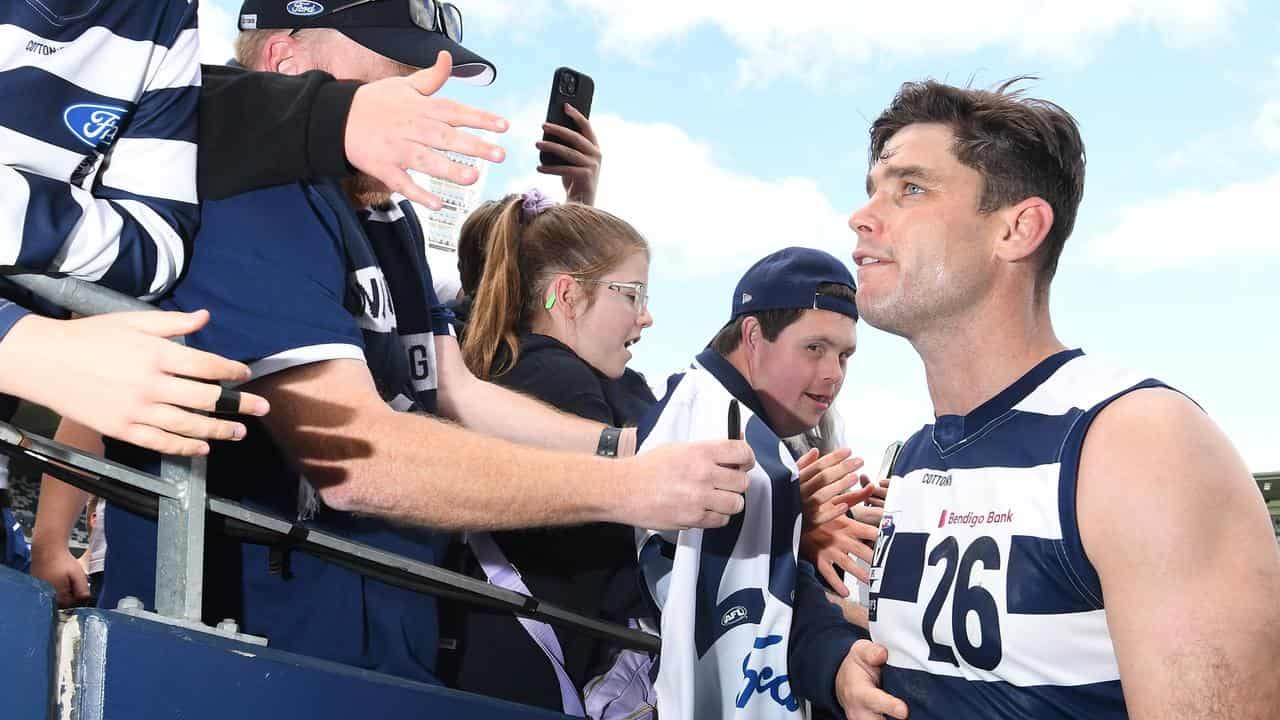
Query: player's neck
<point x="969" y="361"/>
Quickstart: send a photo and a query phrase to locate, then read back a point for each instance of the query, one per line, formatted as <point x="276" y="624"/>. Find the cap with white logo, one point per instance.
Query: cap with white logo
<point x="411" y="32"/>
<point x="789" y="280"/>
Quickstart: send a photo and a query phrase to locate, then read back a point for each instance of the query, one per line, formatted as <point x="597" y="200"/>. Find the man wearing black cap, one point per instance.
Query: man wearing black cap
<point x="410" y="32"/>
<point x="747" y="630"/>
<point x="323" y="290"/>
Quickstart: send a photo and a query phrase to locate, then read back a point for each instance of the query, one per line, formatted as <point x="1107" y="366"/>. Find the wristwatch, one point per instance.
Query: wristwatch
<point x="608" y="445"/>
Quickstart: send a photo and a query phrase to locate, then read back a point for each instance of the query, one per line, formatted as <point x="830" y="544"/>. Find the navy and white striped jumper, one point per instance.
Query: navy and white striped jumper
<point x="981" y="589"/>
<point x="98" y="139"/>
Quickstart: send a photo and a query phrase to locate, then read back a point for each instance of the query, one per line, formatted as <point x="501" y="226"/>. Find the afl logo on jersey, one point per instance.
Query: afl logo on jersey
<point x="733" y="615"/>
<point x="93" y="125"/>
<point x="304" y="8"/>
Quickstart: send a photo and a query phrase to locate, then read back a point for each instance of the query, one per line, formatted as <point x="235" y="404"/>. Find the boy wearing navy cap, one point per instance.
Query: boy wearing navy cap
<point x="747" y="630"/>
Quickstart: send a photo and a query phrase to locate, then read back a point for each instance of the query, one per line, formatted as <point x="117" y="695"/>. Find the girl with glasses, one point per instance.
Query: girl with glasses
<point x="559" y="296"/>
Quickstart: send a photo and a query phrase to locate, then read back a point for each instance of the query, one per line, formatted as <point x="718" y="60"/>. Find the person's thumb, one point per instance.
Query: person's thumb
<point x="870" y="654"/>
<point x="428" y="81"/>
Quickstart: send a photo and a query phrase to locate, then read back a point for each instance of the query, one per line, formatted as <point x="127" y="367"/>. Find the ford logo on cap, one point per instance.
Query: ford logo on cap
<point x="304" y="8"/>
<point x="94" y="125"/>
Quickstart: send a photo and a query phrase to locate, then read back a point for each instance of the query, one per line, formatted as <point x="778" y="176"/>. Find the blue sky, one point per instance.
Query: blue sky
<point x="733" y="128"/>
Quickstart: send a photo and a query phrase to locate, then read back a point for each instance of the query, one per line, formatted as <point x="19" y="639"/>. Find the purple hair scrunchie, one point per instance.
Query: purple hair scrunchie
<point x="533" y="203"/>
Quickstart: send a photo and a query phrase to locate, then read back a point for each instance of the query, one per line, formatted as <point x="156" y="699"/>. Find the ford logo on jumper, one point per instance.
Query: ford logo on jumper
<point x="95" y="125"/>
<point x="305" y="8"/>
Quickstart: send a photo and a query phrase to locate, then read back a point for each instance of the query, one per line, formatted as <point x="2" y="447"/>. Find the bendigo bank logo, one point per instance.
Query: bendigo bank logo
<point x="93" y="125"/>
<point x="974" y="519"/>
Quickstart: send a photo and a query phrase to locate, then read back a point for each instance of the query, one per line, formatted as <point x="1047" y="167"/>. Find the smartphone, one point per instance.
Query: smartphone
<point x="572" y="87"/>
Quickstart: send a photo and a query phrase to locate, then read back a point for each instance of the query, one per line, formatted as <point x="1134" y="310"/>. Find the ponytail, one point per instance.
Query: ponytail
<point x="497" y="309"/>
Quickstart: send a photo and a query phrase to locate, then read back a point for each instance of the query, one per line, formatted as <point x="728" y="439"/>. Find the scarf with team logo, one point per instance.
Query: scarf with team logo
<point x="724" y="595"/>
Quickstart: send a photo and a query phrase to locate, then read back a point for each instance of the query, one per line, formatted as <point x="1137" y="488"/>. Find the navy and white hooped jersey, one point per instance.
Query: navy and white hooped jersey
<point x="725" y="594"/>
<point x="98" y="139"/>
<point x="980" y="586"/>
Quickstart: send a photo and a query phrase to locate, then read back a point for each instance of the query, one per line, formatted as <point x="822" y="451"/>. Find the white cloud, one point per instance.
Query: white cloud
<point x="1267" y="127"/>
<point x="1187" y="227"/>
<point x="505" y="18"/>
<point x="217" y="33"/>
<point x="701" y="218"/>
<point x="818" y="40"/>
<point x="812" y="39"/>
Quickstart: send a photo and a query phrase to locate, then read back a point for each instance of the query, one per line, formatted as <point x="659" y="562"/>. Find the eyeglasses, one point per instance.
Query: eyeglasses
<point x="637" y="291"/>
<point x="439" y="17"/>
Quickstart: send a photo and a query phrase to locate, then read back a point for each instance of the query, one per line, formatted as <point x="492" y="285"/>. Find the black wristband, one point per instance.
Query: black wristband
<point x="608" y="445"/>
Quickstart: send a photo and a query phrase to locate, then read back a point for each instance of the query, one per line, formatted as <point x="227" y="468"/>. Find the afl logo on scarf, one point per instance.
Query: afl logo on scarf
<point x="304" y="8"/>
<point x="734" y="615"/>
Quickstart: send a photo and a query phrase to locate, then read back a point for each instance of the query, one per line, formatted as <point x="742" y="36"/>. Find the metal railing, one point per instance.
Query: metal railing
<point x="184" y="512"/>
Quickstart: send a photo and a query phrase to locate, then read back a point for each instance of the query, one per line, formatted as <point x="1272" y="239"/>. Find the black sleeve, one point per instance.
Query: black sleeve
<point x="261" y="129"/>
<point x="820" y="640"/>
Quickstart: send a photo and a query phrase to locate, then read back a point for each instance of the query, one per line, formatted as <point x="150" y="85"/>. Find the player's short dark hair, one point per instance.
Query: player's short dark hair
<point x="1022" y="147"/>
<point x="773" y="322"/>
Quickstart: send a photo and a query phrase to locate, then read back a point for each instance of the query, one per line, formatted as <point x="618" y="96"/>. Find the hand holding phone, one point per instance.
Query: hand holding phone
<point x="569" y="148"/>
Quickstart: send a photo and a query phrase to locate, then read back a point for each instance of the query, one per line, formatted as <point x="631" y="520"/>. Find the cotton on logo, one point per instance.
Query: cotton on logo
<point x="94" y="125"/>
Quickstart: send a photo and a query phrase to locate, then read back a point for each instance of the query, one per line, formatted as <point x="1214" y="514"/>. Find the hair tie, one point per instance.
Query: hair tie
<point x="533" y="203"/>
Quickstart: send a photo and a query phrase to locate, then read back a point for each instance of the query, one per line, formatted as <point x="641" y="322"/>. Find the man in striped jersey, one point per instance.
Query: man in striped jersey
<point x="97" y="180"/>
<point x="1048" y="548"/>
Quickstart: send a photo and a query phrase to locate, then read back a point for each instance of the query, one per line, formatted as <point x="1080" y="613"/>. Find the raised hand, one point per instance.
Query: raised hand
<point x="396" y="124"/>
<point x="827" y="485"/>
<point x="580" y="151"/>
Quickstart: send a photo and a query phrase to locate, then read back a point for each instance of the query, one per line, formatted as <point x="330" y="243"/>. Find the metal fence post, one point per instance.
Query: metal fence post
<point x="180" y="540"/>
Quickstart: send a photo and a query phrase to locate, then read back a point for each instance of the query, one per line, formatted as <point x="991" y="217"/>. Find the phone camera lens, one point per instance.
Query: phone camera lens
<point x="568" y="84"/>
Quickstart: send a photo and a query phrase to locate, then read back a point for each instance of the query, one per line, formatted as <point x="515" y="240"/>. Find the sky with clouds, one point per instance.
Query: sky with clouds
<point x="731" y="128"/>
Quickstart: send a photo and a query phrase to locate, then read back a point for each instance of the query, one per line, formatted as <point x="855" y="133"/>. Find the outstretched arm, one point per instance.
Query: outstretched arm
<point x="259" y="129"/>
<point x="364" y="457"/>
